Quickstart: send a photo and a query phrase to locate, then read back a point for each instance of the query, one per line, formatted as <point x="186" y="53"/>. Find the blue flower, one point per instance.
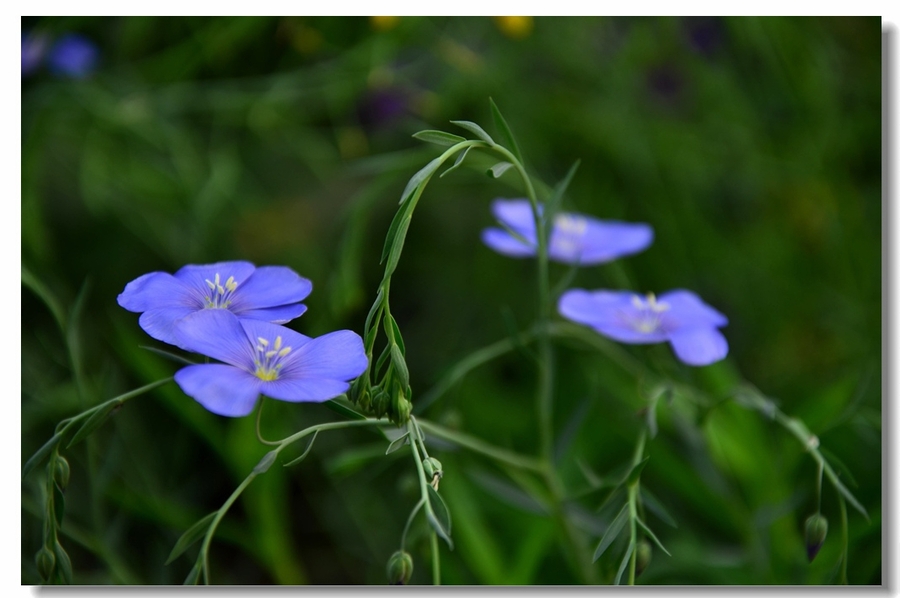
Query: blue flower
<point x="261" y="358"/>
<point x="679" y="316"/>
<point x="74" y="56"/>
<point x="268" y="293"/>
<point x="574" y="239"/>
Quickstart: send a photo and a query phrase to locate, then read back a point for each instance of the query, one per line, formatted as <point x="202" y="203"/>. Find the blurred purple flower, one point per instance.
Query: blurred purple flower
<point x="382" y="106"/>
<point x="263" y="358"/>
<point x="705" y="35"/>
<point x="575" y="239"/>
<point x="679" y="317"/>
<point x="34" y="46"/>
<point x="73" y="55"/>
<point x="268" y="293"/>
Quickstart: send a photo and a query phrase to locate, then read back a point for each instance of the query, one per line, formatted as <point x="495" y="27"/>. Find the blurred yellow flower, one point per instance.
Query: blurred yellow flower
<point x="515" y="27"/>
<point x="383" y="23"/>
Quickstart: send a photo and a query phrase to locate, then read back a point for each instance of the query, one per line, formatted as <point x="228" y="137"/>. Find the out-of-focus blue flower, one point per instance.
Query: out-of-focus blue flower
<point x="73" y="55"/>
<point x="268" y="293"/>
<point x="34" y="46"/>
<point x="679" y="317"/>
<point x="575" y="238"/>
<point x="263" y="358"/>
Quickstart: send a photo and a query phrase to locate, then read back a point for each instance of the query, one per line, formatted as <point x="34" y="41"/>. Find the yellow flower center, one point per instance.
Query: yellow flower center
<point x="269" y="361"/>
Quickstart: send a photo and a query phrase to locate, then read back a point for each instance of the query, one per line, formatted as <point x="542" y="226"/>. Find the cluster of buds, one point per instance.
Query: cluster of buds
<point x="378" y="401"/>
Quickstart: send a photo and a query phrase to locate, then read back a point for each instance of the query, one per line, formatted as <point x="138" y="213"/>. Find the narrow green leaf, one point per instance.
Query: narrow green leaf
<point x="39" y="289"/>
<point x="497" y="170"/>
<point x="397" y="444"/>
<point x="508" y="493"/>
<point x="505" y="131"/>
<point x="475" y="129"/>
<point x="93" y="422"/>
<point x="266" y="462"/>
<point x="559" y="191"/>
<point x="839" y="465"/>
<point x="635" y="473"/>
<point x="395" y="329"/>
<point x="652" y="536"/>
<point x="344" y="410"/>
<point x="169" y="355"/>
<point x="611" y="532"/>
<point x="392" y="232"/>
<point x="399" y="364"/>
<point x="63" y="563"/>
<point x="656" y="507"/>
<point x="193" y="577"/>
<point x="843" y="490"/>
<point x="193" y="533"/>
<point x="439" y="516"/>
<point x="59" y="504"/>
<point x="438" y="137"/>
<point x="420" y="177"/>
<point x="624" y="563"/>
<point x="41" y="454"/>
<point x="459" y="160"/>
<point x="305" y="452"/>
<point x="397" y="247"/>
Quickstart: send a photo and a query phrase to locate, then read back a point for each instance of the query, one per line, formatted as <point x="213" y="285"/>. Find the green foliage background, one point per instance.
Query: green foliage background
<point x="751" y="145"/>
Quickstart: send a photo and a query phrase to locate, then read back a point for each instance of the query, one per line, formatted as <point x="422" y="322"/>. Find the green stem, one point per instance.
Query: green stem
<point x="482" y="447"/>
<point x="844" y="533"/>
<point x="435" y="560"/>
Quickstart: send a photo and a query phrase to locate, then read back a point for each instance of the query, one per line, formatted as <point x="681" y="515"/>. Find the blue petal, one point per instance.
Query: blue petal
<point x="217" y="333"/>
<point x="277" y="315"/>
<point x="222" y="389"/>
<point x="195" y="276"/>
<point x="610" y="313"/>
<point x="156" y="289"/>
<point x="605" y="241"/>
<point x="255" y="329"/>
<point x="305" y="390"/>
<point x="687" y="310"/>
<point x="515" y="213"/>
<point x="270" y="286"/>
<point x="335" y="356"/>
<point x="503" y="242"/>
<point x="160" y="323"/>
<point x="699" y="346"/>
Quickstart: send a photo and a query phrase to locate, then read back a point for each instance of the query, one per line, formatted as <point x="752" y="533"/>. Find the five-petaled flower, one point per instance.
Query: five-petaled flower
<point x="574" y="238"/>
<point x="263" y="358"/>
<point x="267" y="293"/>
<point x="679" y="317"/>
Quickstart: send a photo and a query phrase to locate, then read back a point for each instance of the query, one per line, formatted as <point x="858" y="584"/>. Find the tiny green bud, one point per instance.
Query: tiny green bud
<point x="61" y="472"/>
<point x="404" y="408"/>
<point x="434" y="471"/>
<point x="816" y="530"/>
<point x="644" y="554"/>
<point x="46" y="563"/>
<point x="399" y="568"/>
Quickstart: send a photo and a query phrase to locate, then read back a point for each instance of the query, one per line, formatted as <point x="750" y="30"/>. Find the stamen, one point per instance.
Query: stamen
<point x="648" y="319"/>
<point x="222" y="295"/>
<point x="269" y="361"/>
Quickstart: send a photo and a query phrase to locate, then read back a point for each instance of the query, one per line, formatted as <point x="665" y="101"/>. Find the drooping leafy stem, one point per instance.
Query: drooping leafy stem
<point x="201" y="566"/>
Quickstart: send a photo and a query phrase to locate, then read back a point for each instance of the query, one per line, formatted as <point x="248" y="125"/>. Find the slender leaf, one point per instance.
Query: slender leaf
<point x="194" y="576"/>
<point x="399" y="365"/>
<point x="475" y="129"/>
<point x="193" y="533"/>
<point x="497" y="170"/>
<point x="505" y="131"/>
<point x="59" y="504"/>
<point x="63" y="563"/>
<point x="459" y="160"/>
<point x="439" y="515"/>
<point x="266" y="462"/>
<point x="169" y="355"/>
<point x="397" y="444"/>
<point x="39" y="289"/>
<point x="612" y="532"/>
<point x="624" y="563"/>
<point x="652" y="536"/>
<point x="41" y="454"/>
<point x="559" y="191"/>
<point x="395" y="330"/>
<point x="635" y="473"/>
<point x="344" y="410"/>
<point x="843" y="490"/>
<point x="508" y="493"/>
<point x="305" y="452"/>
<point x="93" y="422"/>
<point x="438" y="137"/>
<point x="420" y="177"/>
<point x="656" y="507"/>
<point x="839" y="465"/>
<point x="389" y="238"/>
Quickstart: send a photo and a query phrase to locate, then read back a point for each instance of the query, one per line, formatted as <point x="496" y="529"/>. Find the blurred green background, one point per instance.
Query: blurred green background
<point x="751" y="145"/>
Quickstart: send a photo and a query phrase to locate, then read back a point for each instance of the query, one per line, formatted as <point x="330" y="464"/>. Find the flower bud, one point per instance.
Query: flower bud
<point x="399" y="568"/>
<point x="404" y="408"/>
<point x="434" y="471"/>
<point x="816" y="530"/>
<point x="61" y="472"/>
<point x="644" y="553"/>
<point x="46" y="562"/>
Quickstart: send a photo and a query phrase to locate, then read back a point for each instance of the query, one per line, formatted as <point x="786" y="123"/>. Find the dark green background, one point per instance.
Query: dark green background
<point x="751" y="145"/>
